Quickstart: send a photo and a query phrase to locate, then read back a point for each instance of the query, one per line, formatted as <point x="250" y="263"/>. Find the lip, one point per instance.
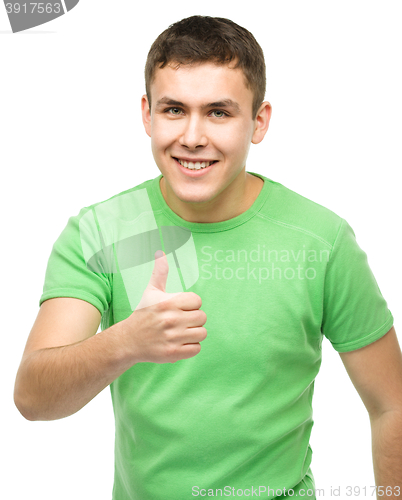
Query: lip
<point x="194" y="173"/>
<point x="193" y="160"/>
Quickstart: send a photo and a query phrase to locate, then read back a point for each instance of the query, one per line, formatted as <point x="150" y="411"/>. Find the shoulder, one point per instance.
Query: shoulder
<point x="289" y="209"/>
<point x="92" y="233"/>
<point x="124" y="205"/>
<point x="102" y="222"/>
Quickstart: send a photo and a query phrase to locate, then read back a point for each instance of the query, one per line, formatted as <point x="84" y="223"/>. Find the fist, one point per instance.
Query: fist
<point x="165" y="327"/>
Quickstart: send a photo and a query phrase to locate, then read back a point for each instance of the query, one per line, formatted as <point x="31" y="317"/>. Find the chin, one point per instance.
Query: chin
<point x="193" y="197"/>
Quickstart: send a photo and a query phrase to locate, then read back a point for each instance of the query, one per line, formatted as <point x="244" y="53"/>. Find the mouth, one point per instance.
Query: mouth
<point x="195" y="165"/>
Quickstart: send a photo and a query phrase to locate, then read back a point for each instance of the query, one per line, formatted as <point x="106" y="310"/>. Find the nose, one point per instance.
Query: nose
<point x="194" y="133"/>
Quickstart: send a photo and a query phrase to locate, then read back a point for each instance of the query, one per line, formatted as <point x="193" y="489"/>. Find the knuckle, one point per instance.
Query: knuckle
<point x="197" y="348"/>
<point x="163" y="305"/>
<point x="198" y="299"/>
<point x="170" y="351"/>
<point x="200" y="317"/>
<point x="170" y="337"/>
<point x="169" y="320"/>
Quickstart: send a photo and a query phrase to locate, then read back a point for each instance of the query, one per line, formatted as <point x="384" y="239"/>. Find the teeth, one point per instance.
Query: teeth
<point x="195" y="166"/>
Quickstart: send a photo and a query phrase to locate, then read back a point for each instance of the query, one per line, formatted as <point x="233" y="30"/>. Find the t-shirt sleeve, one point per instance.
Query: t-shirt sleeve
<point x="355" y="313"/>
<point x="67" y="272"/>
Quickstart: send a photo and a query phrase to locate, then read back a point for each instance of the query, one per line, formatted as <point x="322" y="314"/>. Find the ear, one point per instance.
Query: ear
<point x="262" y="122"/>
<point x="146" y="114"/>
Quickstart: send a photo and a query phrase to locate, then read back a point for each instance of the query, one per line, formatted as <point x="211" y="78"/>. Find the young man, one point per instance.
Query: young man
<point x="265" y="271"/>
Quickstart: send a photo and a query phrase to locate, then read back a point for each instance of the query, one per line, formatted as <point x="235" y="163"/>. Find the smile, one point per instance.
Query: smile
<point x="198" y="165"/>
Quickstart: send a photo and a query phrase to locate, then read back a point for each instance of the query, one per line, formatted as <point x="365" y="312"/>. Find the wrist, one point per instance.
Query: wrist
<point x="124" y="341"/>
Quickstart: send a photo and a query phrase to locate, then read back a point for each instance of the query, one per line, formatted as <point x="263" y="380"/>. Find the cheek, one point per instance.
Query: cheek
<point x="234" y="142"/>
<point x="161" y="138"/>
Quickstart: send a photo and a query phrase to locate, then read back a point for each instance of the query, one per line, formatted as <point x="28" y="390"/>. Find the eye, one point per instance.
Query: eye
<point x="174" y="111"/>
<point x="219" y="113"/>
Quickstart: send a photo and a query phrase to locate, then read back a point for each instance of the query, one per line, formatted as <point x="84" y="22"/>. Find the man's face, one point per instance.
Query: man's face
<point x="200" y="114"/>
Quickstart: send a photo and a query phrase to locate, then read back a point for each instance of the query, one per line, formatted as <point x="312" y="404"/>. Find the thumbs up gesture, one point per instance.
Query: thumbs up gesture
<point x="164" y="327"/>
<point x="155" y="291"/>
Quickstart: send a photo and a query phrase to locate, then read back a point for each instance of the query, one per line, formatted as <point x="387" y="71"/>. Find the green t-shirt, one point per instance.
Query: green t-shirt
<point x="273" y="281"/>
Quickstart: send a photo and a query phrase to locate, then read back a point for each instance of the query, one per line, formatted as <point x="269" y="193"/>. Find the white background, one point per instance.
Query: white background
<point x="71" y="135"/>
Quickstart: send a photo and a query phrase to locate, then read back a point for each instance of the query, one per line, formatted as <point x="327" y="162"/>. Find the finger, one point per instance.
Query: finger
<point x="187" y="301"/>
<point x="160" y="271"/>
<point x="189" y="350"/>
<point x="194" y="318"/>
<point x="194" y="335"/>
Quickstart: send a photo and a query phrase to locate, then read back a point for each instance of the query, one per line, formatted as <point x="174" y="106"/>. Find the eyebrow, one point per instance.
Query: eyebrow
<point x="224" y="103"/>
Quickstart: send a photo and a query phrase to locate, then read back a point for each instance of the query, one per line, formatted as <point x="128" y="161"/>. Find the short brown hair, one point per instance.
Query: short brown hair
<point x="216" y="39"/>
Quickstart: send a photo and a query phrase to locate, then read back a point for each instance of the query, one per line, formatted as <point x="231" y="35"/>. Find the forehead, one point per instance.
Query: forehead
<point x="198" y="83"/>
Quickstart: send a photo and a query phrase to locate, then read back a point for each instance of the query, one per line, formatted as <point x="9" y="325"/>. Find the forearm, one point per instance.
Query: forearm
<point x="56" y="382"/>
<point x="386" y="433"/>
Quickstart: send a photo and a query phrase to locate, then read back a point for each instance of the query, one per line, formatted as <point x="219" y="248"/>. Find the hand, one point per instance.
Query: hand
<point x="165" y="327"/>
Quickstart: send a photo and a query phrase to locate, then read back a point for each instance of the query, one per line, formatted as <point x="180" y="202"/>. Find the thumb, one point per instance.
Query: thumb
<point x="160" y="272"/>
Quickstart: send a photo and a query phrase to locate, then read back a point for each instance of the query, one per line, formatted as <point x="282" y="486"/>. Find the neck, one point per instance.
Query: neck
<point x="232" y="201"/>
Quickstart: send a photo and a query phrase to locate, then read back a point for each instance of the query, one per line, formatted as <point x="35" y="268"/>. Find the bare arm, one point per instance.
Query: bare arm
<point x="386" y="432"/>
<point x="65" y="364"/>
<point x="376" y="373"/>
